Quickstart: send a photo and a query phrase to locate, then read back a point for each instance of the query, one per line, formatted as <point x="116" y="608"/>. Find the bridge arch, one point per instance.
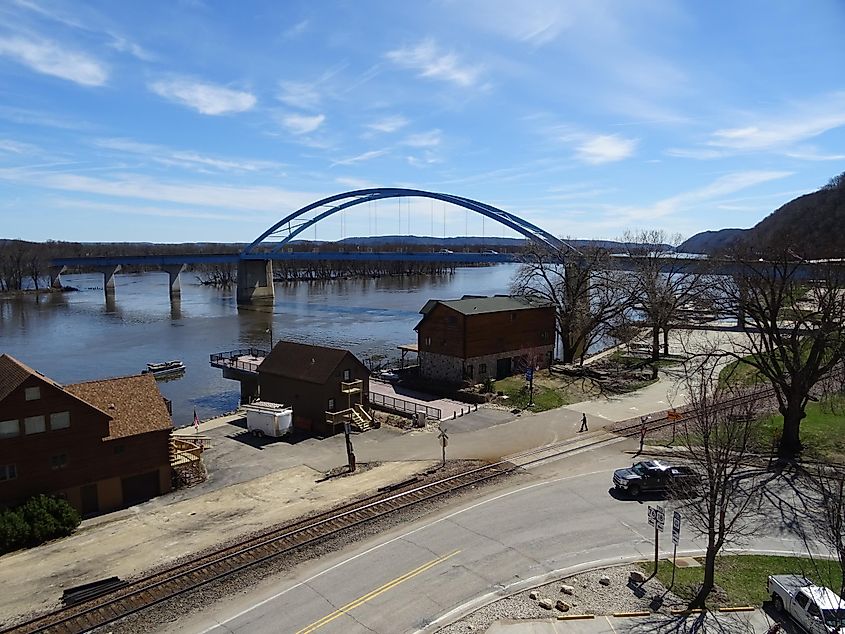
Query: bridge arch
<point x="295" y="223"/>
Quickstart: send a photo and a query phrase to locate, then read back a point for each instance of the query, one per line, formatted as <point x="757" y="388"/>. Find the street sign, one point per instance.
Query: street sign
<point x="444" y="439"/>
<point x="673" y="415"/>
<point x="661" y="518"/>
<point x="676" y="528"/>
<point x="529" y="374"/>
<point x="651" y="516"/>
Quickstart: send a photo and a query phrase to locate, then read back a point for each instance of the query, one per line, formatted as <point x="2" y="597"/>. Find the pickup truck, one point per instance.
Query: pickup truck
<point x="816" y="609"/>
<point x="653" y="476"/>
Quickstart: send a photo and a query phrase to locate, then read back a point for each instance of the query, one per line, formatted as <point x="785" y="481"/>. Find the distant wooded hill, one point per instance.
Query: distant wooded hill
<point x="813" y="225"/>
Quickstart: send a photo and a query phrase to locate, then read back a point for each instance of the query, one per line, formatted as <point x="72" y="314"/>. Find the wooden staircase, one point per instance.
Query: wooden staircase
<point x="361" y="419"/>
<point x="186" y="465"/>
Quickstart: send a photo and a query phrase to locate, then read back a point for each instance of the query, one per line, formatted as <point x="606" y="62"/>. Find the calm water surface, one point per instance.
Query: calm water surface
<point x="73" y="337"/>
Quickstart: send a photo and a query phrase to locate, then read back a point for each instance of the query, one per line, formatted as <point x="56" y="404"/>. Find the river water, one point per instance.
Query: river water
<point x="78" y="336"/>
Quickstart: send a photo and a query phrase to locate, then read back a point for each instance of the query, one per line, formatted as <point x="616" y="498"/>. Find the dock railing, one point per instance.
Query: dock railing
<point x="401" y="406"/>
<point x="230" y="359"/>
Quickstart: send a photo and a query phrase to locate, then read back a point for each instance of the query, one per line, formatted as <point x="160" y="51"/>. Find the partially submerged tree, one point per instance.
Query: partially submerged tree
<point x="588" y="297"/>
<point x="793" y="315"/>
<point x="721" y="506"/>
<point x="662" y="284"/>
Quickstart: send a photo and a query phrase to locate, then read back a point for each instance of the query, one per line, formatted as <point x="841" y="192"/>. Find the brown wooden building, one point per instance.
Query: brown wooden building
<point x="315" y="382"/>
<point x="473" y="338"/>
<point x="102" y="445"/>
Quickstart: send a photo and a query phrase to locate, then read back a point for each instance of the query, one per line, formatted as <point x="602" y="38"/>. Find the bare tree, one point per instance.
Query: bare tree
<point x="793" y="315"/>
<point x="718" y="432"/>
<point x="662" y="284"/>
<point x="587" y="296"/>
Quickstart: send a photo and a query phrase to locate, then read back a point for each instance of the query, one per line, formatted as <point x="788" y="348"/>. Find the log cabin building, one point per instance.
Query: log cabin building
<point x="324" y="386"/>
<point x="101" y="445"/>
<point x="474" y="338"/>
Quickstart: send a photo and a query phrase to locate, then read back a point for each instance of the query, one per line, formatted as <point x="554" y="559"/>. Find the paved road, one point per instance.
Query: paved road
<point x="406" y="578"/>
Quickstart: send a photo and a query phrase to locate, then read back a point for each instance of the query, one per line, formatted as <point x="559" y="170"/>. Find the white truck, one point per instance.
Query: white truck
<point x="268" y="419"/>
<point x="816" y="609"/>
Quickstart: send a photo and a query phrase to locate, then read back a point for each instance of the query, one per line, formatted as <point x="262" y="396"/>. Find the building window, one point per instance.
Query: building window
<point x="469" y="371"/>
<point x="347" y="375"/>
<point x="32" y="393"/>
<point x="9" y="428"/>
<point x="543" y="335"/>
<point x="8" y="472"/>
<point x="34" y="425"/>
<point x="482" y="368"/>
<point x="59" y="461"/>
<point x="513" y="316"/>
<point x="331" y="404"/>
<point x="60" y="420"/>
<point x="428" y="341"/>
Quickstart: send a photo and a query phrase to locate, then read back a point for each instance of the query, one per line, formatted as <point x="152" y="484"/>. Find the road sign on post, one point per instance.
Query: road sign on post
<point x="444" y="440"/>
<point x="656" y="518"/>
<point x="676" y="537"/>
<point x="676" y="528"/>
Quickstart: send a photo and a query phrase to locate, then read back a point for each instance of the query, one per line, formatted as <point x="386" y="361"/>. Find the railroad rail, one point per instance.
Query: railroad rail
<point x="165" y="584"/>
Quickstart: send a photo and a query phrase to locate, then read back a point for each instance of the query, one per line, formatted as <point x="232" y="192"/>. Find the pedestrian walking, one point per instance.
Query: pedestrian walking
<point x="583" y="423"/>
<point x="643" y="421"/>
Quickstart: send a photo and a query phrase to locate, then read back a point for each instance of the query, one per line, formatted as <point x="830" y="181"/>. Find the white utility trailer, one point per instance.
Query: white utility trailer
<point x="268" y="419"/>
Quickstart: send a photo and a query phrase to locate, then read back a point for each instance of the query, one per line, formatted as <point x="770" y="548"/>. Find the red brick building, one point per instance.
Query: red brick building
<point x="102" y="445"/>
<point x="473" y="338"/>
<point x="315" y="381"/>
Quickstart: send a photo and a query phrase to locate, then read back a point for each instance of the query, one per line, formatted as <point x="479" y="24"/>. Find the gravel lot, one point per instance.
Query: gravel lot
<point x="589" y="597"/>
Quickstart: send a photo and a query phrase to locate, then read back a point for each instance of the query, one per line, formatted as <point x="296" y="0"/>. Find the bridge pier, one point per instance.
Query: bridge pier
<point x="56" y="276"/>
<point x="175" y="272"/>
<point x="108" y="278"/>
<point x="255" y="282"/>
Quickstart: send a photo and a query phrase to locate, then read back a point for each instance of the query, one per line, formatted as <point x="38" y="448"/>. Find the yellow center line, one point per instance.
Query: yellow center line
<point x="374" y="593"/>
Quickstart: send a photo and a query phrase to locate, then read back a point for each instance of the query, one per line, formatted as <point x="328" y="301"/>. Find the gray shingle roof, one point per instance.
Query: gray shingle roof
<point x="474" y="305"/>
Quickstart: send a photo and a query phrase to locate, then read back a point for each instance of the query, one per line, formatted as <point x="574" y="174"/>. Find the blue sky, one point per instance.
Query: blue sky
<point x="208" y="121"/>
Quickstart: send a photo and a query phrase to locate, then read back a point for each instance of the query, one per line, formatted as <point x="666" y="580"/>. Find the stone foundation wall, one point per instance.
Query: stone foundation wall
<point x="441" y="367"/>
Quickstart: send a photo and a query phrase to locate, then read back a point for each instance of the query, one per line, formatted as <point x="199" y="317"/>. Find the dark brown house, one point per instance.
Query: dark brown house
<point x="473" y="338"/>
<point x="315" y="382"/>
<point x="102" y="445"/>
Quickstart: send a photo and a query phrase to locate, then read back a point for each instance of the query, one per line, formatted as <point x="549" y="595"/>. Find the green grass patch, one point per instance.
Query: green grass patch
<point x="516" y="389"/>
<point x="742" y="578"/>
<point x="821" y="430"/>
<point x="740" y="373"/>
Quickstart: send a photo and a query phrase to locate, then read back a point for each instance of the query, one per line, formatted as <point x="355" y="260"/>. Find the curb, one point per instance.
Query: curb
<point x="625" y="615"/>
<point x="576" y="617"/>
<point x="473" y="605"/>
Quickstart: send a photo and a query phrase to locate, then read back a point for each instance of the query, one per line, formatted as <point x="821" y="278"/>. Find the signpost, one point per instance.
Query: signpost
<point x="676" y="537"/>
<point x="656" y="518"/>
<point x="444" y="440"/>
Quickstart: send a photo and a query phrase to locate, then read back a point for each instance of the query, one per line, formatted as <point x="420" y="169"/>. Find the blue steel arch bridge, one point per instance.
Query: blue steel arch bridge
<point x="255" y="261"/>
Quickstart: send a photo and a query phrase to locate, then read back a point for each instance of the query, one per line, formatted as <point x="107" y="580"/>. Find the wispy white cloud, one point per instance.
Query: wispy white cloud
<point x="9" y="146"/>
<point x="722" y="186"/>
<point x="142" y="187"/>
<point x="537" y="23"/>
<point x="605" y="148"/>
<point x="124" y="45"/>
<point x="430" y="61"/>
<point x="297" y="29"/>
<point x="805" y="121"/>
<point x="160" y="212"/>
<point x="204" y="97"/>
<point x="50" y="58"/>
<point x="186" y="158"/>
<point x="355" y="183"/>
<point x="695" y="153"/>
<point x="360" y="158"/>
<point x="301" y="123"/>
<point x="424" y="139"/>
<point x="810" y="153"/>
<point x="299" y="95"/>
<point x="388" y="124"/>
<point x="29" y="117"/>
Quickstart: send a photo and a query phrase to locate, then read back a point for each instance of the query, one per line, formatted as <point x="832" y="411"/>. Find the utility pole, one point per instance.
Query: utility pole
<point x="350" y="454"/>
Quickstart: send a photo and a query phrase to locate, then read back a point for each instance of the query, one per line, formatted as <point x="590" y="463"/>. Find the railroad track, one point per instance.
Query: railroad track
<point x="178" y="579"/>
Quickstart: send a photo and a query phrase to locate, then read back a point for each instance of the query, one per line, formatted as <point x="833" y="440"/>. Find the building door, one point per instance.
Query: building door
<point x="90" y="502"/>
<point x="503" y="368"/>
<point x="140" y="488"/>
